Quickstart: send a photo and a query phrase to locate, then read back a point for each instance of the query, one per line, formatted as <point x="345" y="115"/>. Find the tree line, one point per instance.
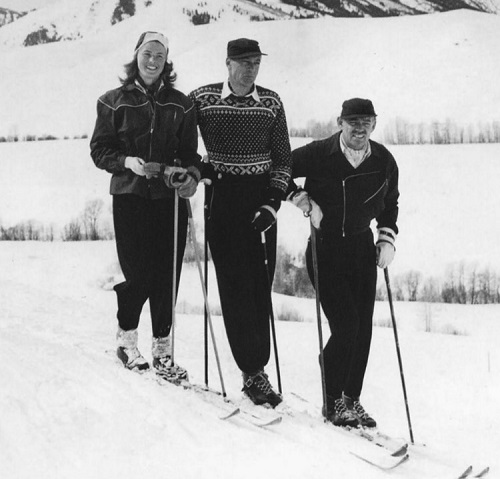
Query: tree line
<point x="403" y="132"/>
<point x="462" y="283"/>
<point x="397" y="131"/>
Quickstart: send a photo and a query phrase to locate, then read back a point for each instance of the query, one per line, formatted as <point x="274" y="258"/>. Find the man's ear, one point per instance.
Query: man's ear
<point x="339" y="122"/>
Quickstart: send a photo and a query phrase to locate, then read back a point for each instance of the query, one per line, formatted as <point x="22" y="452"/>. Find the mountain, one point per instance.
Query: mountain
<point x="421" y="68"/>
<point x="8" y="16"/>
<point x="63" y="20"/>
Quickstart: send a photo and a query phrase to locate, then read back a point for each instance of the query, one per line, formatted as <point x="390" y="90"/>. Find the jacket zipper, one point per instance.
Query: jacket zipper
<point x="344" y="195"/>
<point x="153" y="116"/>
<point x="152" y="128"/>
<point x="376" y="193"/>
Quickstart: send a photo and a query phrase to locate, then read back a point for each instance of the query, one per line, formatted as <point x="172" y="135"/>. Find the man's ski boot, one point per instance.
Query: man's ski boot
<point x="259" y="390"/>
<point x="338" y="414"/>
<point x="127" y="350"/>
<point x="163" y="364"/>
<point x="364" y="418"/>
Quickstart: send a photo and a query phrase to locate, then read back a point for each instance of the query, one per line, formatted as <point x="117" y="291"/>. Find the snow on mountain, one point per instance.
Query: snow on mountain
<point x="64" y="20"/>
<point x="421" y="68"/>
<point x="71" y="19"/>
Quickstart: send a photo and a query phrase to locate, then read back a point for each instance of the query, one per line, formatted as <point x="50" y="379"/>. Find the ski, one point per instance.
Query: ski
<point x="386" y="463"/>
<point x="257" y="417"/>
<point x="395" y="446"/>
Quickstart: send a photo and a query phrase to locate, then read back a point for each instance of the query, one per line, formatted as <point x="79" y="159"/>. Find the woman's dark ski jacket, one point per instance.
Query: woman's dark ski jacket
<point x="158" y="127"/>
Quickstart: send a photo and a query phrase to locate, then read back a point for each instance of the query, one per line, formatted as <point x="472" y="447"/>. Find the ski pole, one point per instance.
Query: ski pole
<point x="205" y="259"/>
<point x="314" y="252"/>
<point x="205" y="296"/>
<point x="271" y="313"/>
<point x="394" y="327"/>
<point x="174" y="269"/>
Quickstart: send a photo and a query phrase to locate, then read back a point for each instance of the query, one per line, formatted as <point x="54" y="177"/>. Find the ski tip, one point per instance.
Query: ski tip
<point x="401" y="451"/>
<point x="483" y="472"/>
<point x="271" y="422"/>
<point x="384" y="465"/>
<point x="466" y="473"/>
<point x="230" y="414"/>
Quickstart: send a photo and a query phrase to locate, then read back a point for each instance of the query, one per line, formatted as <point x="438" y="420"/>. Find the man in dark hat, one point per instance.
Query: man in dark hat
<point x="349" y="181"/>
<point x="244" y="130"/>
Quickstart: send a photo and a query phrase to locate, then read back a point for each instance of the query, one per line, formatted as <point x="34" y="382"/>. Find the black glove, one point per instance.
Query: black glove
<point x="208" y="174"/>
<point x="266" y="215"/>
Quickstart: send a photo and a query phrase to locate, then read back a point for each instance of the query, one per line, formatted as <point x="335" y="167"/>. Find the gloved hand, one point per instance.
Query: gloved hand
<point x="301" y="199"/>
<point x="208" y="174"/>
<point x="267" y="214"/>
<point x="173" y="176"/>
<point x="385" y="247"/>
<point x="135" y="164"/>
<point x="190" y="183"/>
<point x="154" y="170"/>
<point x="385" y="254"/>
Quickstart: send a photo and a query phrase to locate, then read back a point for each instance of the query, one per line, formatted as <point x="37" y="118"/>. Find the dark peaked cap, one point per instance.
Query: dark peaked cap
<point x="356" y="107"/>
<point x="242" y="48"/>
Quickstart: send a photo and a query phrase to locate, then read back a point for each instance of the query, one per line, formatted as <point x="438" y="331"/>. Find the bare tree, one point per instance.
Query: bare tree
<point x="412" y="281"/>
<point x="90" y="218"/>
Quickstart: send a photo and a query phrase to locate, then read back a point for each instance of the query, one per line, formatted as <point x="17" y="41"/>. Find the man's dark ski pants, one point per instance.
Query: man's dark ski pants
<point x="238" y="257"/>
<point x="347" y="285"/>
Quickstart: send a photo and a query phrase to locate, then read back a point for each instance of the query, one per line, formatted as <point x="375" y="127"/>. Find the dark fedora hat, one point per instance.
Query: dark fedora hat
<point x="356" y="107"/>
<point x="242" y="48"/>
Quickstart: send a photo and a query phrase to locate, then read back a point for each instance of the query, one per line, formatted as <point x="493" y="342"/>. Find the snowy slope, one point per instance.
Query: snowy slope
<point x="420" y="68"/>
<point x="72" y="19"/>
<point x="68" y="410"/>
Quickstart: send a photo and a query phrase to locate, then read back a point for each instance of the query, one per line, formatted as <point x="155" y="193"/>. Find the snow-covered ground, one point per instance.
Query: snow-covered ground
<point x="70" y="411"/>
<point x="448" y="203"/>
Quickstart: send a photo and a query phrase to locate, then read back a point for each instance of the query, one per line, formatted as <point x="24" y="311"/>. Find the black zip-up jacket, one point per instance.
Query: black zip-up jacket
<point x="156" y="127"/>
<point x="349" y="197"/>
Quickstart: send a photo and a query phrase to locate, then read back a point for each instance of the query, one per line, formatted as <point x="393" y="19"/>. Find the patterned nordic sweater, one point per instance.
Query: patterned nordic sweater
<point x="244" y="135"/>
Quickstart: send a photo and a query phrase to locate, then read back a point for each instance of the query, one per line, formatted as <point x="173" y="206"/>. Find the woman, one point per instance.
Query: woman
<point x="145" y="136"/>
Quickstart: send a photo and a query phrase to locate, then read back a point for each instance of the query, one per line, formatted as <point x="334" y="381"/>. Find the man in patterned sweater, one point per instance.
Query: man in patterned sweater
<point x="245" y="133"/>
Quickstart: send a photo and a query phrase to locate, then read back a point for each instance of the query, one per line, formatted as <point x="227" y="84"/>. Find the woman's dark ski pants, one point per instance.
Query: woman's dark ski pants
<point x="144" y="231"/>
<point x="347" y="285"/>
<point x="238" y="257"/>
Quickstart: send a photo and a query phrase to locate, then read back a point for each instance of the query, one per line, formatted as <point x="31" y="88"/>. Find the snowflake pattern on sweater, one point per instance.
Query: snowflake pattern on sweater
<point x="245" y="135"/>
